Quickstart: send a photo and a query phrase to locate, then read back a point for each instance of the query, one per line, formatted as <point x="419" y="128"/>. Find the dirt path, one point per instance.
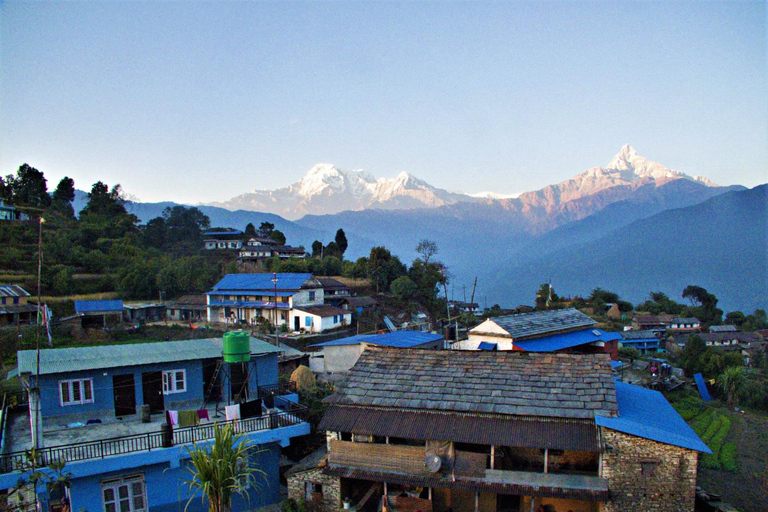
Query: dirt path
<point x="746" y="490"/>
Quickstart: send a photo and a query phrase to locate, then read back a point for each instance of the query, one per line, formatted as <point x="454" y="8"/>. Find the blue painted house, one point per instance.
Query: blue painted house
<point x="102" y="410"/>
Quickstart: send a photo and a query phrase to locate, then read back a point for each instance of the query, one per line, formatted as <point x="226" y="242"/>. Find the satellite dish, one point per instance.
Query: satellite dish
<point x="433" y="463"/>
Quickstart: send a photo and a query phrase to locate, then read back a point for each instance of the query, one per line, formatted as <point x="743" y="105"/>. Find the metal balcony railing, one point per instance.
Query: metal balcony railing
<point x="292" y="414"/>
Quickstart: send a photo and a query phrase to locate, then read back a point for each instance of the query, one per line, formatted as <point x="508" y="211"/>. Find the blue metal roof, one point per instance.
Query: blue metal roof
<point x="484" y="345"/>
<point x="262" y="282"/>
<point x="398" y="339"/>
<point x="703" y="391"/>
<point x="646" y="413"/>
<point x="248" y="304"/>
<point x="219" y="233"/>
<point x="556" y="342"/>
<point x="269" y="293"/>
<point x="98" y="306"/>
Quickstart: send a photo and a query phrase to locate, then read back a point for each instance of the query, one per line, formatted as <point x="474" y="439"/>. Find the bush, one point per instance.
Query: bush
<point x="728" y="457"/>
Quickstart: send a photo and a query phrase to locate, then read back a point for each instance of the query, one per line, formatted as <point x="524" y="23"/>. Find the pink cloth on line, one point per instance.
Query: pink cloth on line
<point x="174" y="417"/>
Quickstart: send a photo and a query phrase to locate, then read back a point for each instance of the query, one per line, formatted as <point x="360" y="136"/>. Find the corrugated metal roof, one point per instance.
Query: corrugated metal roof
<point x="524" y="325"/>
<point x="686" y="320"/>
<point x="646" y="413"/>
<point x="12" y="290"/>
<point x="722" y="328"/>
<point x="261" y="282"/>
<point x="518" y="431"/>
<point x="61" y="360"/>
<point x="397" y="339"/>
<point x="564" y="340"/>
<point x="545" y="484"/>
<point x="98" y="306"/>
<point x="322" y="311"/>
<point x="221" y="233"/>
<point x="18" y="308"/>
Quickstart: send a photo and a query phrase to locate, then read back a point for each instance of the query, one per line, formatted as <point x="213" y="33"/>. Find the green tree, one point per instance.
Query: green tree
<point x="29" y="187"/>
<point x="705" y="304"/>
<point x="63" y="196"/>
<point x="546" y="296"/>
<point x="250" y="231"/>
<point x="221" y="470"/>
<point x="317" y="249"/>
<point x="266" y="229"/>
<point x="427" y="249"/>
<point x="403" y="288"/>
<point x="341" y="242"/>
<point x="735" y="318"/>
<point x="5" y="190"/>
<point x="731" y="381"/>
<point x="332" y="250"/>
<point x="693" y="350"/>
<point x="278" y="237"/>
<point x="185" y="227"/>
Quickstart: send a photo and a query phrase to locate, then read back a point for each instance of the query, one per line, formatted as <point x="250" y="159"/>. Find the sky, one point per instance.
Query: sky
<point x="202" y="101"/>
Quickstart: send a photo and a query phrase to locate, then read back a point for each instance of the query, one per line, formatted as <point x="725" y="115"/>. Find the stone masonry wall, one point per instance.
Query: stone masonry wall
<point x="331" y="499"/>
<point x="648" y="475"/>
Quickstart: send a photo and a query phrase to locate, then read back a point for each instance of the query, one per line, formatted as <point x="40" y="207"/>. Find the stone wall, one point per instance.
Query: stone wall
<point x="329" y="501"/>
<point x="648" y="475"/>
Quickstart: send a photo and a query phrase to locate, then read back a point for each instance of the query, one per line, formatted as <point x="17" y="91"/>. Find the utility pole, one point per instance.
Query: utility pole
<point x="274" y="281"/>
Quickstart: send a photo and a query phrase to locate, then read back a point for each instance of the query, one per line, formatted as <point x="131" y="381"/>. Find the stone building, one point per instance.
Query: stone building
<point x="496" y="431"/>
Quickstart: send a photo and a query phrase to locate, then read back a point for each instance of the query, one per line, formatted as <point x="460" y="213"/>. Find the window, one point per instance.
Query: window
<point x="124" y="494"/>
<point x="174" y="381"/>
<point x="311" y="295"/>
<point x="78" y="391"/>
<point x="334" y="319"/>
<point x="648" y="467"/>
<point x="307" y="321"/>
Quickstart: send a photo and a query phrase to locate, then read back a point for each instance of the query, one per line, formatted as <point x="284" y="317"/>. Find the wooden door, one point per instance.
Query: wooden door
<point x="124" y="390"/>
<point x="152" y="388"/>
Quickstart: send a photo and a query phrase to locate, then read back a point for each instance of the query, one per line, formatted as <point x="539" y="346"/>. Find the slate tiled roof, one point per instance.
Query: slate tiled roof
<point x="742" y="337"/>
<point x="639" y="335"/>
<point x="537" y="323"/>
<point x="321" y="311"/>
<point x="498" y="382"/>
<point x="688" y="320"/>
<point x="332" y="284"/>
<point x="722" y="328"/>
<point x="648" y="319"/>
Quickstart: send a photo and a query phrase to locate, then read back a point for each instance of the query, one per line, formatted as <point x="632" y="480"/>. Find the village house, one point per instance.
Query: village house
<point x="497" y="431"/>
<point x="643" y="341"/>
<point x="338" y="356"/>
<point x="680" y="325"/>
<point x="334" y="292"/>
<point x="14" y="308"/>
<point x="102" y="410"/>
<point x="223" y="240"/>
<point x="9" y="213"/>
<point x="98" y="313"/>
<point x="557" y="330"/>
<point x="188" y="308"/>
<point x="730" y="339"/>
<point x="649" y="322"/>
<point x="295" y="301"/>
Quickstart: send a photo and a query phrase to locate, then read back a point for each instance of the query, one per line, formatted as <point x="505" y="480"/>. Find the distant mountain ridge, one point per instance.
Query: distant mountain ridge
<point x="326" y="189"/>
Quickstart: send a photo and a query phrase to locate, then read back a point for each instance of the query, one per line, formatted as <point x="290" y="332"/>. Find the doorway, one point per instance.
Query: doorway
<point x="152" y="388"/>
<point x="296" y="323"/>
<point x="125" y="394"/>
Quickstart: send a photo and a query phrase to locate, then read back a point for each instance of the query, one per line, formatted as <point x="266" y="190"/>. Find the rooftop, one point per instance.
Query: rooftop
<point x="526" y="325"/>
<point x="646" y="413"/>
<point x="322" y="311"/>
<point x="12" y="290"/>
<point x="61" y="360"/>
<point x="640" y="335"/>
<point x="722" y="328"/>
<point x="98" y="306"/>
<point x="565" y="340"/>
<point x="497" y="382"/>
<point x="400" y="339"/>
<point x="261" y="282"/>
<point x="686" y="320"/>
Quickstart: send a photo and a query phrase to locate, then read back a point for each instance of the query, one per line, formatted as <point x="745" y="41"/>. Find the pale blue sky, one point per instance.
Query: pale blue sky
<point x="203" y="101"/>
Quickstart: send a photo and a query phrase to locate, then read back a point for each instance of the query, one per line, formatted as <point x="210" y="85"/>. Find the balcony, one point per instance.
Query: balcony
<point x="95" y="445"/>
<point x="406" y="465"/>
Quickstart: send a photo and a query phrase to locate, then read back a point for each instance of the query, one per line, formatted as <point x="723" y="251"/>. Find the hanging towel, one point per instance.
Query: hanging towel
<point x="188" y="418"/>
<point x="232" y="412"/>
<point x="173" y="418"/>
<point x="203" y="414"/>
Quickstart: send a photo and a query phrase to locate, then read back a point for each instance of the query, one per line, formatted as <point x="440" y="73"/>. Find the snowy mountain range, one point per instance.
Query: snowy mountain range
<point x="328" y="190"/>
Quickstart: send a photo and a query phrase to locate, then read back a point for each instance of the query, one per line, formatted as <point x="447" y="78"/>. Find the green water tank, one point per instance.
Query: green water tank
<point x="237" y="347"/>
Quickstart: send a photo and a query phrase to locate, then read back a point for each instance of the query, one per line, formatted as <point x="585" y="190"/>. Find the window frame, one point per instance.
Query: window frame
<point x="81" y="390"/>
<point x="130" y="481"/>
<point x="170" y="381"/>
